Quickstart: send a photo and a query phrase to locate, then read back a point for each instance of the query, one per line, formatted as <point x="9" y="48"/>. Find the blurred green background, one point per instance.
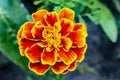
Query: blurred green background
<point x="102" y="18"/>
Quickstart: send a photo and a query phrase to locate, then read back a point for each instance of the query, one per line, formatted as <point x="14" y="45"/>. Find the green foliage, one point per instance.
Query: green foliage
<point x="101" y="14"/>
<point x="86" y="68"/>
<point x="57" y="8"/>
<point x="12" y="15"/>
<point x="29" y="78"/>
<point x="117" y="5"/>
<point x="96" y="11"/>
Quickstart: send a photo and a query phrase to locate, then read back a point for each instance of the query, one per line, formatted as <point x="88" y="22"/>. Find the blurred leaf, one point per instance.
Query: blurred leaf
<point x="103" y="16"/>
<point x="15" y="11"/>
<point x="12" y="16"/>
<point x="86" y="68"/>
<point x="91" y="70"/>
<point x="117" y="56"/>
<point x="104" y="77"/>
<point x="117" y="4"/>
<point x="81" y="19"/>
<point x="29" y="78"/>
<point x="55" y="1"/>
<point x="57" y="8"/>
<point x="37" y="2"/>
<point x="9" y="48"/>
<point x="78" y="8"/>
<point x="92" y="18"/>
<point x="70" y="4"/>
<point x="28" y="17"/>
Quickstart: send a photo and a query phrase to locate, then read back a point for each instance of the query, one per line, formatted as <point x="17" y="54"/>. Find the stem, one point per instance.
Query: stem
<point x="57" y="77"/>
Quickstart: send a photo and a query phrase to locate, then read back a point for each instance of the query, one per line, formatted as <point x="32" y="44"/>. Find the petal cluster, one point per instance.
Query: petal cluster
<point x="53" y="41"/>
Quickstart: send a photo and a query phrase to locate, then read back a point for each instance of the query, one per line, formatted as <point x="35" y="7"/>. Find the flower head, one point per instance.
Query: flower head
<point x="52" y="40"/>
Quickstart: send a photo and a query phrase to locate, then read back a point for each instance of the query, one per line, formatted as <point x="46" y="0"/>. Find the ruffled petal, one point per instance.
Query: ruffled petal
<point x="49" y="58"/>
<point x="51" y="18"/>
<point x="67" y="43"/>
<point x="59" y="67"/>
<point x="80" y="26"/>
<point x="67" y="26"/>
<point x="72" y="67"/>
<point x="80" y="52"/>
<point x="33" y="53"/>
<point x="67" y="57"/>
<point x="23" y="44"/>
<point x="27" y="30"/>
<point x="57" y="26"/>
<point x="37" y="30"/>
<point x="38" y="68"/>
<point x="43" y="44"/>
<point x="78" y="38"/>
<point x="49" y="48"/>
<point x="67" y="13"/>
<point x="58" y="59"/>
<point x="39" y="16"/>
<point x="19" y="34"/>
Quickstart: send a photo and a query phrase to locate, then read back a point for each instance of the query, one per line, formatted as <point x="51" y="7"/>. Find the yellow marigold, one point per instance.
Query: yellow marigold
<point x="52" y="40"/>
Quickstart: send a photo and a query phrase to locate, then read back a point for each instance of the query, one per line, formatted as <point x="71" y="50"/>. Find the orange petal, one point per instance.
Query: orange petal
<point x="79" y="26"/>
<point x="80" y="52"/>
<point x="67" y="13"/>
<point x="67" y="57"/>
<point x="27" y="30"/>
<point x="72" y="67"/>
<point x="78" y="38"/>
<point x="37" y="30"/>
<point x="39" y="16"/>
<point x="59" y="67"/>
<point x="48" y="57"/>
<point x="19" y="34"/>
<point x="33" y="53"/>
<point x="51" y="18"/>
<point x="67" y="43"/>
<point x="67" y="26"/>
<point x="38" y="68"/>
<point x="49" y="48"/>
<point x="23" y="44"/>
<point x="57" y="26"/>
<point x="43" y="44"/>
<point x="58" y="59"/>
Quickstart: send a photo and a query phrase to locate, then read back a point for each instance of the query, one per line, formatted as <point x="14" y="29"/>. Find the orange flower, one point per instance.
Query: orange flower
<point x="52" y="40"/>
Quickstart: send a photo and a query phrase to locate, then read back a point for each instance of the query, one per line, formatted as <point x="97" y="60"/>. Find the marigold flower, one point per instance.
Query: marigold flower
<point x="52" y="40"/>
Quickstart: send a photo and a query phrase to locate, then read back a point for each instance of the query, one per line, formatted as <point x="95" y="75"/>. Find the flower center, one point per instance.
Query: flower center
<point x="52" y="37"/>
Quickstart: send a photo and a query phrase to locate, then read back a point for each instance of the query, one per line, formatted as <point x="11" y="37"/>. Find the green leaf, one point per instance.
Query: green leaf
<point x="81" y="19"/>
<point x="57" y="8"/>
<point x="28" y="17"/>
<point x="8" y="46"/>
<point x="55" y="1"/>
<point x="109" y="25"/>
<point x="37" y="2"/>
<point x="93" y="18"/>
<point x="117" y="4"/>
<point x="29" y="78"/>
<point x="12" y="15"/>
<point x="78" y="8"/>
<point x="15" y="11"/>
<point x="103" y="16"/>
<point x="70" y="4"/>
